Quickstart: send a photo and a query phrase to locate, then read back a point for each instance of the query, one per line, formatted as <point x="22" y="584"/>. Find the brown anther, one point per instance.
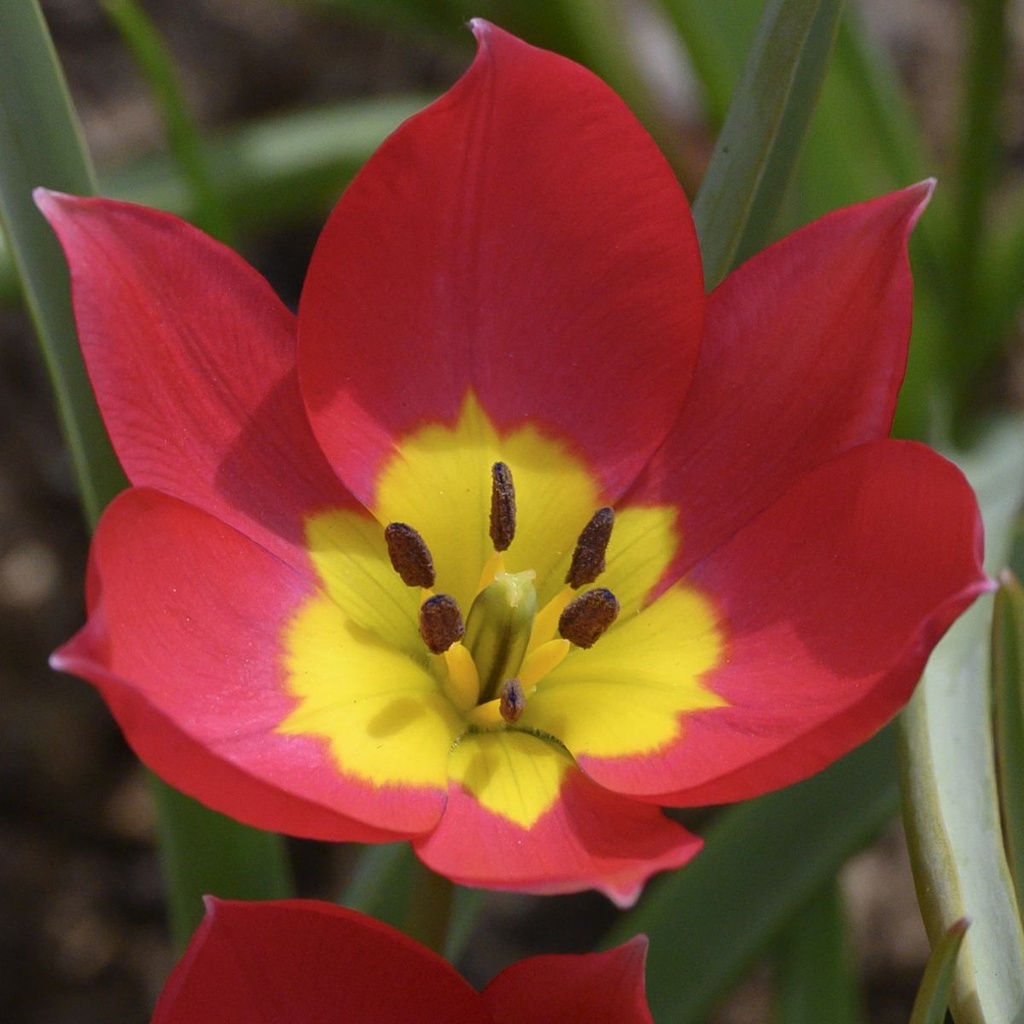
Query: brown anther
<point x="587" y="617"/>
<point x="409" y="555"/>
<point x="512" y="702"/>
<point x="441" y="623"/>
<point x="503" y="507"/>
<point x="588" y="558"/>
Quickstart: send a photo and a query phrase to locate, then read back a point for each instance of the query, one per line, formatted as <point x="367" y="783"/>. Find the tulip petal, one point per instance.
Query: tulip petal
<point x="802" y="358"/>
<point x="830" y="602"/>
<point x="521" y="816"/>
<point x="300" y="960"/>
<point x="522" y="238"/>
<point x="192" y="357"/>
<point x="190" y="639"/>
<point x="600" y="988"/>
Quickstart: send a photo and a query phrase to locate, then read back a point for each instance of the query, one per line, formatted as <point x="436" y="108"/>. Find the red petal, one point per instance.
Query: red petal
<point x="831" y="601"/>
<point x="184" y="642"/>
<point x="589" y="839"/>
<point x="522" y="237"/>
<point x="599" y="988"/>
<point x="314" y="963"/>
<point x="192" y="357"/>
<point x="803" y="354"/>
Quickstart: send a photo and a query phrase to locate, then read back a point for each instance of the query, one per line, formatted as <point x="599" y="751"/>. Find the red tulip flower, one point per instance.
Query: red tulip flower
<point x="301" y="960"/>
<point x="513" y="534"/>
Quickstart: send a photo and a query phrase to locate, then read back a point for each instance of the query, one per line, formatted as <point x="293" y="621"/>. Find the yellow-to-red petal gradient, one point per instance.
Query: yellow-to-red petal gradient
<point x="520" y="815"/>
<point x="522" y="238"/>
<point x="187" y="641"/>
<point x="829" y="603"/>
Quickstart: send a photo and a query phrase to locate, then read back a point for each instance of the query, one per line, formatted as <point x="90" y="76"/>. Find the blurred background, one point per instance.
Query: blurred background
<point x="290" y="98"/>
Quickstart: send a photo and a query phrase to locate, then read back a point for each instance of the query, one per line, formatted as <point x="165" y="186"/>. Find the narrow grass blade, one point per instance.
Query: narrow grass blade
<point x="763" y="131"/>
<point x="864" y="140"/>
<point x="40" y="144"/>
<point x="762" y="861"/>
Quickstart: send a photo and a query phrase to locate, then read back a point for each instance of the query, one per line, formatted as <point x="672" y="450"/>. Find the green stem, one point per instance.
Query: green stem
<point x="203" y="852"/>
<point x="430" y="909"/>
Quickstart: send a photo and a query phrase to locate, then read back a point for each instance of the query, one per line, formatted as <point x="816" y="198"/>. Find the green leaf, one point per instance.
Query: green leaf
<point x="814" y="976"/>
<point x="863" y="141"/>
<point x="933" y="995"/>
<point x="205" y="853"/>
<point x="951" y="804"/>
<point x="40" y="144"/>
<point x="763" y="131"/>
<point x="761" y="862"/>
<point x="999" y="297"/>
<point x="864" y="138"/>
<point x="1008" y="694"/>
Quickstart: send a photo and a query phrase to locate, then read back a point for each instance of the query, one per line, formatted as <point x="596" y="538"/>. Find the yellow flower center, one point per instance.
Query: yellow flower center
<point x="508" y="648"/>
<point x="500" y="709"/>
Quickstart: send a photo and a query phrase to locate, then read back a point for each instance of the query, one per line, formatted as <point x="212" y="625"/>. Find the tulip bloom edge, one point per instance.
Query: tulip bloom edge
<point x="512" y="535"/>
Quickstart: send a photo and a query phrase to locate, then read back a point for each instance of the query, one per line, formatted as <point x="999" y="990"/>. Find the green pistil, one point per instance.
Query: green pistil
<point x="498" y="629"/>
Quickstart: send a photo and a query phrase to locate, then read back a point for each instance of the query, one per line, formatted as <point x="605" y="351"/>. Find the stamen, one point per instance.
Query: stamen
<point x="588" y="558"/>
<point x="512" y="702"/>
<point x="587" y="617"/>
<point x="463" y="682"/>
<point x="409" y="554"/>
<point x="492" y="567"/>
<point x="441" y="623"/>
<point x="540" y="661"/>
<point x="503" y="507"/>
<point x="545" y="624"/>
